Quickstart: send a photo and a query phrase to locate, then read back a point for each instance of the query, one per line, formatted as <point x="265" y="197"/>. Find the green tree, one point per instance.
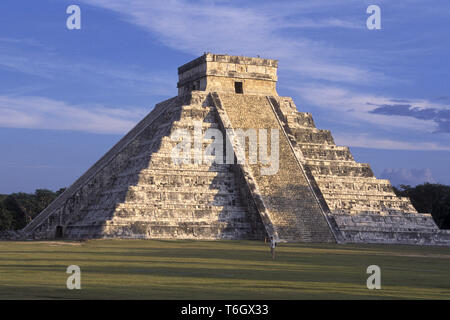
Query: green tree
<point x="18" y="214"/>
<point x="429" y="198"/>
<point x="18" y="209"/>
<point x="441" y="212"/>
<point x="60" y="191"/>
<point x="6" y="218"/>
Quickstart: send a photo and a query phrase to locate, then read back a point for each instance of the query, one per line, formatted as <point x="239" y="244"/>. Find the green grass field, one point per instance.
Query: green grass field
<point x="151" y="269"/>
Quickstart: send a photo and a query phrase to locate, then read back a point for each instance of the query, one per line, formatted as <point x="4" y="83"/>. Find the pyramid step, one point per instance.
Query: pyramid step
<point x="173" y="223"/>
<point x="183" y="158"/>
<point x="344" y="191"/>
<point x="200" y="168"/>
<point x="185" y="215"/>
<point x="191" y="124"/>
<point x="168" y="141"/>
<point x="350" y="180"/>
<point x="332" y="162"/>
<point x="222" y="189"/>
<point x="185" y="173"/>
<point x="353" y="206"/>
<point x="355" y="188"/>
<point x="183" y="181"/>
<point x="370" y="201"/>
<point x="175" y="177"/>
<point x="190" y="230"/>
<point x="312" y="135"/>
<point x="213" y="198"/>
<point x="179" y="206"/>
<point x="197" y="112"/>
<point x="400" y="228"/>
<point x="366" y="197"/>
<point x="100" y="212"/>
<point x="326" y="152"/>
<point x="340" y="169"/>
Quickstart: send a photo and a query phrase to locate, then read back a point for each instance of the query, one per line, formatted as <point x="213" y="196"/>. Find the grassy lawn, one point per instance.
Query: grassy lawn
<point x="152" y="269"/>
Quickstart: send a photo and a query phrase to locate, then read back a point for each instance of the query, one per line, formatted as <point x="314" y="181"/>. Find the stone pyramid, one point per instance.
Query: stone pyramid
<point x="318" y="193"/>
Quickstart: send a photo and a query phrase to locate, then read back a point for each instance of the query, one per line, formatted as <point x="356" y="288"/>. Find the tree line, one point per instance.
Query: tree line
<point x="18" y="209"/>
<point x="431" y="198"/>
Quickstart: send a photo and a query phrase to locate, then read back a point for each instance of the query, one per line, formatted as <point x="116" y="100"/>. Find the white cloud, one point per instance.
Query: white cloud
<point x="33" y="58"/>
<point x="352" y="110"/>
<point x="44" y="113"/>
<point x="364" y="140"/>
<point x="195" y="27"/>
<point x="322" y="23"/>
<point x="357" y="106"/>
<point x="408" y="176"/>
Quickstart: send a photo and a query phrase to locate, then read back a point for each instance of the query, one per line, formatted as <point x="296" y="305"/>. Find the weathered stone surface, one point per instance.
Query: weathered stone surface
<point x="289" y="200"/>
<point x="364" y="209"/>
<point x="217" y="72"/>
<point x="139" y="192"/>
<point x="320" y="193"/>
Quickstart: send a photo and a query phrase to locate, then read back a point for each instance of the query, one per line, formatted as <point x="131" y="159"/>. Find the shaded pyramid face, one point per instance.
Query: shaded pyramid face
<point x="317" y="192"/>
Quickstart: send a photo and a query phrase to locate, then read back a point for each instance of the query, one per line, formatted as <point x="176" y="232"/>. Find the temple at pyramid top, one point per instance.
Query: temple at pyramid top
<point x="228" y="74"/>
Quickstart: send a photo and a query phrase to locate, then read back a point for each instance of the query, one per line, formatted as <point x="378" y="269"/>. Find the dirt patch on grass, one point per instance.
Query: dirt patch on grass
<point x="417" y="255"/>
<point x="61" y="243"/>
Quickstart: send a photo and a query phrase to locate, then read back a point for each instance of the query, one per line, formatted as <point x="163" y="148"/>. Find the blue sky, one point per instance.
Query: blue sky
<point x="67" y="96"/>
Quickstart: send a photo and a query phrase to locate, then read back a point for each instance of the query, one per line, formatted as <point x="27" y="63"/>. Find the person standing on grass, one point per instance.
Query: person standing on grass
<point x="273" y="244"/>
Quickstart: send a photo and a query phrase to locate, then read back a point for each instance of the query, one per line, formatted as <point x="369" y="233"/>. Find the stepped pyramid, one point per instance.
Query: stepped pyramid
<point x="318" y="193"/>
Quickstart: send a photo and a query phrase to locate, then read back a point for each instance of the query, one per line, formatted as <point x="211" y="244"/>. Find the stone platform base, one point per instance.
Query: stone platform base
<point x="394" y="228"/>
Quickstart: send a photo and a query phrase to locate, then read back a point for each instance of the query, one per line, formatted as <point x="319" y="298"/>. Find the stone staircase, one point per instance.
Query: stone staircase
<point x="287" y="199"/>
